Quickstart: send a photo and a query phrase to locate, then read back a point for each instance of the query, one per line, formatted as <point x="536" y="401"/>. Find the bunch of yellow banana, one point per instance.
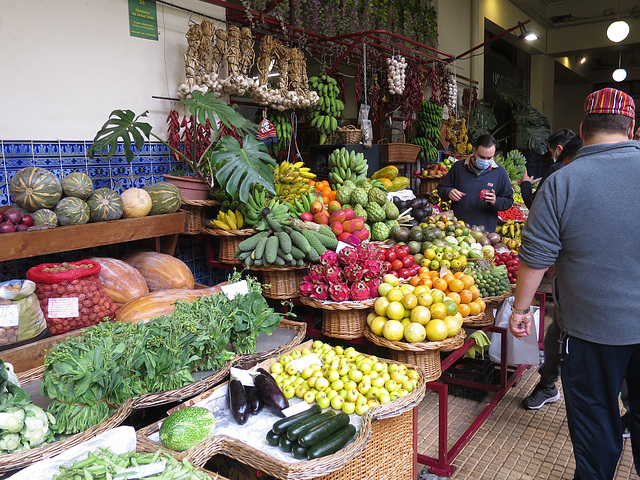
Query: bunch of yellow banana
<point x="292" y="180"/>
<point x="326" y="112"/>
<point x="229" y="220"/>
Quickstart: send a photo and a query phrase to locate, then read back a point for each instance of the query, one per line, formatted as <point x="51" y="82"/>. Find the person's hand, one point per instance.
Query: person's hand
<point x="527" y="178"/>
<point x="456" y="195"/>
<point x="520" y="325"/>
<point x="490" y="197"/>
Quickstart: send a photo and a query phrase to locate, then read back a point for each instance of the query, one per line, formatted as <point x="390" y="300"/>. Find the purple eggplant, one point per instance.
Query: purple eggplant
<point x="238" y="401"/>
<point x="270" y="393"/>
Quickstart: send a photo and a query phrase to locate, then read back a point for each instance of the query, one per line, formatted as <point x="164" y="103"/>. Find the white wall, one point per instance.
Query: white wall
<point x="67" y="64"/>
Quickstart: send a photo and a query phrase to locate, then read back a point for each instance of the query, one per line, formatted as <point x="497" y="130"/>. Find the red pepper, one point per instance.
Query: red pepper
<point x="512" y="214"/>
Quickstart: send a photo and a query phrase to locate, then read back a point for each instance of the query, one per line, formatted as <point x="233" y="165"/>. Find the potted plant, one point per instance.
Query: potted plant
<point x="235" y="165"/>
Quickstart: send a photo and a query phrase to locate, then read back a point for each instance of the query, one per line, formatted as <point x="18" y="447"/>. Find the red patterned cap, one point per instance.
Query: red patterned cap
<point x="612" y="101"/>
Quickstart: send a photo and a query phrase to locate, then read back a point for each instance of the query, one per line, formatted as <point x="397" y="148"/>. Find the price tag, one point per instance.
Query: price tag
<point x="306" y="361"/>
<point x="342" y="245"/>
<point x="9" y="315"/>
<point x="143" y="471"/>
<point x="238" y="288"/>
<point x="67" y="307"/>
<point x="297" y="408"/>
<point x="243" y="376"/>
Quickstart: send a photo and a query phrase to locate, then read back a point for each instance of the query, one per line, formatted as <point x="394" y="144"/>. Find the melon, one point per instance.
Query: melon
<point x="186" y="428"/>
<point x="33" y="188"/>
<point x="72" y="211"/>
<point x="161" y="271"/>
<point x="77" y="184"/>
<point x="165" y="198"/>
<point x="120" y="281"/>
<point x="105" y="204"/>
<point x="44" y="216"/>
<point x="137" y="203"/>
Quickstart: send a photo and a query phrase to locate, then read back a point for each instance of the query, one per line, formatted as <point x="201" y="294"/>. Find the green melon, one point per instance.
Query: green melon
<point x="72" y="211"/>
<point x="77" y="184"/>
<point x="33" y="188"/>
<point x="186" y="428"/>
<point x="165" y="198"/>
<point x="105" y="204"/>
<point x="44" y="216"/>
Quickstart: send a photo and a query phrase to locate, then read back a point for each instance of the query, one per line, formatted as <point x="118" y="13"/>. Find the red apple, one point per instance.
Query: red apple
<point x="348" y="214"/>
<point x="337" y="228"/>
<point x="337" y="216"/>
<point x="348" y="226"/>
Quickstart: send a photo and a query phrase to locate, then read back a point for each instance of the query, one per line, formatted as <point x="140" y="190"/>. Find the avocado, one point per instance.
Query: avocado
<point x="414" y="247"/>
<point x="416" y="233"/>
<point x="402" y="234"/>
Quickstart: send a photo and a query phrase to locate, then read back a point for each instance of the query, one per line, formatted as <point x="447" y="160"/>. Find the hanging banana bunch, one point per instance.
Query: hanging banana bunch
<point x="282" y="122"/>
<point x="325" y="113"/>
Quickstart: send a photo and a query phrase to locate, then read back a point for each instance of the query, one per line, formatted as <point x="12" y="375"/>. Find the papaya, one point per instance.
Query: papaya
<point x="388" y="184"/>
<point x="399" y="183"/>
<point x="390" y="172"/>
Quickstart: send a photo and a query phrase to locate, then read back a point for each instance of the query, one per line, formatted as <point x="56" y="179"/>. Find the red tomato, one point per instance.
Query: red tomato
<point x="401" y="253"/>
<point x="381" y="256"/>
<point x="393" y="272"/>
<point x="390" y="254"/>
<point x="387" y="265"/>
<point x="408" y="261"/>
<point x="414" y="269"/>
<point x="396" y="264"/>
<point x="404" y="273"/>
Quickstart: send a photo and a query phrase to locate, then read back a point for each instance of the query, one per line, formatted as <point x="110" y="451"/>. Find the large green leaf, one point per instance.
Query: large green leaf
<point x="238" y="168"/>
<point x="122" y="124"/>
<point x="534" y="129"/>
<point x="483" y="120"/>
<point x="210" y="106"/>
<point x="511" y="93"/>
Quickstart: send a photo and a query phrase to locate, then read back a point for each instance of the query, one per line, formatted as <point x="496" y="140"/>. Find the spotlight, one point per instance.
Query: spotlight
<point x="619" y="74"/>
<point x="618" y="31"/>
<point x="531" y="36"/>
<point x="583" y="60"/>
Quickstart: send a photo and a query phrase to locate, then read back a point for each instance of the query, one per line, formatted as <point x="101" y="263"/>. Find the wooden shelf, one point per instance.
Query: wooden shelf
<point x="63" y="239"/>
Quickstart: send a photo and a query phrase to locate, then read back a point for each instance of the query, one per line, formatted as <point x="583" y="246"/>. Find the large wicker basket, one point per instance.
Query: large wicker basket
<point x="281" y="282"/>
<point x="398" y="152"/>
<point x="350" y="134"/>
<point x="483" y="319"/>
<point x="343" y="320"/>
<point x="229" y="241"/>
<point x="298" y="328"/>
<point x="197" y="214"/>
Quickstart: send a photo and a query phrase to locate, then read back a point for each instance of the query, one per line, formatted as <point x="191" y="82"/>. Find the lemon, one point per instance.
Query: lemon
<point x="395" y="295"/>
<point x="437" y="295"/>
<point x="437" y="330"/>
<point x="438" y="310"/>
<point x="409" y="301"/>
<point x="452" y="307"/>
<point x="425" y="299"/>
<point x="421" y="314"/>
<point x="380" y="306"/>
<point x="377" y="324"/>
<point x="406" y="288"/>
<point x="453" y="326"/>
<point x="420" y="289"/>
<point x="393" y="330"/>
<point x="414" y="332"/>
<point x="405" y="321"/>
<point x="370" y="317"/>
<point x="395" y="311"/>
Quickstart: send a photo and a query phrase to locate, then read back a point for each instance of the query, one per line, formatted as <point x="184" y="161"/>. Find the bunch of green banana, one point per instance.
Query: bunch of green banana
<point x="283" y="245"/>
<point x="258" y="210"/>
<point x="428" y="130"/>
<point x="377" y="184"/>
<point x="346" y="165"/>
<point x="281" y="121"/>
<point x="302" y="204"/>
<point x="325" y="113"/>
<point x="292" y="180"/>
<point x="229" y="220"/>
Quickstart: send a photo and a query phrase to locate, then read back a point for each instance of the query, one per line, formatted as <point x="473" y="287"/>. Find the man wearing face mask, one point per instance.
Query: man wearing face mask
<point x="478" y="187"/>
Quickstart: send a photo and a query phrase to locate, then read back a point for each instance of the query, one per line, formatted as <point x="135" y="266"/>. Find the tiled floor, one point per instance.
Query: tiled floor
<point x="513" y="444"/>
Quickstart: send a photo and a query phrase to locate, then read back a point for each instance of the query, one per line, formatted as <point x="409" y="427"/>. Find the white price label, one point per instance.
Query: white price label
<point x="342" y="245"/>
<point x="306" y="361"/>
<point x="238" y="288"/>
<point x="9" y="315"/>
<point x="295" y="409"/>
<point x="243" y="376"/>
<point x="67" y="307"/>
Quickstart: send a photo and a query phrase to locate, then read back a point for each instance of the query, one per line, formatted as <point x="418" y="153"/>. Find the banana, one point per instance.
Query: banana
<point x="220" y="224"/>
<point x="239" y="219"/>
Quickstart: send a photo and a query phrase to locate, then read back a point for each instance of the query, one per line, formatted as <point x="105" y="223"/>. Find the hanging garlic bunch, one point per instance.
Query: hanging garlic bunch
<point x="452" y="100"/>
<point x="395" y="74"/>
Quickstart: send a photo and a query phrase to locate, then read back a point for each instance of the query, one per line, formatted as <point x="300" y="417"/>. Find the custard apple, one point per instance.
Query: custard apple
<point x="391" y="224"/>
<point x="379" y="232"/>
<point x="375" y="212"/>
<point x="359" y="196"/>
<point x="391" y="211"/>
<point x="359" y="211"/>
<point x="343" y="194"/>
<point x="378" y="196"/>
<point x="366" y="185"/>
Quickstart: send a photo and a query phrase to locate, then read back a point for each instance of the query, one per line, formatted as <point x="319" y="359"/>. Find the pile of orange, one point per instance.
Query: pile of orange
<point x="457" y="286"/>
<point x="323" y="188"/>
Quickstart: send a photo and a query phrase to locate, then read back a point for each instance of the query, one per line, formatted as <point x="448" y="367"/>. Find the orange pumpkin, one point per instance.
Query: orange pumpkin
<point x="161" y="271"/>
<point x="120" y="281"/>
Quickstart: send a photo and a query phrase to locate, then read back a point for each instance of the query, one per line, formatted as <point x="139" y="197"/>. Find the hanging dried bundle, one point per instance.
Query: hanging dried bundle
<point x="268" y="49"/>
<point x="283" y="54"/>
<point x="233" y="50"/>
<point x="247" y="53"/>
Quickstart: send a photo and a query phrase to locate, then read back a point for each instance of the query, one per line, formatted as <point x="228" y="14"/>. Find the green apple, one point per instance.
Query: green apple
<point x="385" y="288"/>
<point x="373" y="392"/>
<point x="348" y="407"/>
<point x="332" y="375"/>
<point x="352" y="395"/>
<point x="289" y="391"/>
<point x="350" y="384"/>
<point x="372" y="402"/>
<point x="355" y="375"/>
<point x="377" y="382"/>
<point x="291" y="369"/>
<point x="403" y="392"/>
<point x="305" y="351"/>
<point x="324" y="402"/>
<point x="277" y="368"/>
<point x="300" y="391"/>
<point x="364" y="387"/>
<point x="331" y="393"/>
<point x="296" y="354"/>
<point x="337" y="385"/>
<point x="285" y="359"/>
<point x="384" y="398"/>
<point x="391" y="386"/>
<point x="317" y="344"/>
<point x="343" y="394"/>
<point x="321" y="384"/>
<point x="365" y="367"/>
<point x="338" y="350"/>
<point x="361" y="409"/>
<point x="336" y="402"/>
<point x="311" y="381"/>
<point x="309" y="397"/>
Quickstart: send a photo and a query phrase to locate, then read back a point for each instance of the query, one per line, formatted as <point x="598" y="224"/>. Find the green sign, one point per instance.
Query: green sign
<point x="143" y="20"/>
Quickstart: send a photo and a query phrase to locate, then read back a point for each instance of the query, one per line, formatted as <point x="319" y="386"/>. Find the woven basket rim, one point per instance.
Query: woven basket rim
<point x="301" y="328"/>
<point x="348" y="128"/>
<point x="247" y="232"/>
<point x="449" y="343"/>
<point x="328" y="305"/>
<point x="497" y="298"/>
<point x="481" y="320"/>
<point x="200" y="203"/>
<point x="278" y="268"/>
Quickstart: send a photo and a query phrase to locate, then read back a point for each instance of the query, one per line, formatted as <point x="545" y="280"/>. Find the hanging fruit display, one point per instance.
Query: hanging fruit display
<point x="428" y="130"/>
<point x="292" y="181"/>
<point x="456" y="135"/>
<point x="346" y="165"/>
<point x="329" y="107"/>
<point x="284" y="128"/>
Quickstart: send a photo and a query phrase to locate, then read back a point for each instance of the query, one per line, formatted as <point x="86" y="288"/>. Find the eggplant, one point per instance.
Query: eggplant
<point x="238" y="401"/>
<point x="268" y="375"/>
<point x="418" y="214"/>
<point x="255" y="402"/>
<point x="270" y="393"/>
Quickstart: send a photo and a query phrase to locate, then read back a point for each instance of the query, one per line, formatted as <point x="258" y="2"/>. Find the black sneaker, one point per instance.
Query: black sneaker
<point x="540" y="397"/>
<point x="625" y="425"/>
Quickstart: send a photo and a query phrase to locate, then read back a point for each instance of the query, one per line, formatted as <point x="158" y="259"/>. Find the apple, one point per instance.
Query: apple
<point x="323" y="402"/>
<point x="348" y="407"/>
<point x="336" y="402"/>
<point x="362" y="409"/>
<point x="309" y="397"/>
<point x="288" y="391"/>
<point x="352" y="395"/>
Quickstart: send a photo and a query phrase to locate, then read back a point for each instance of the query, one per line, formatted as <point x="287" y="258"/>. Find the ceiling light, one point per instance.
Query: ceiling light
<point x="583" y="60"/>
<point x="618" y="31"/>
<point x="531" y="36"/>
<point x="619" y="74"/>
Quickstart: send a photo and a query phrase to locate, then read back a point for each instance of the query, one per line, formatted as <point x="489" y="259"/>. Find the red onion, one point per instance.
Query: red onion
<point x="13" y="216"/>
<point x="21" y="227"/>
<point x="27" y="220"/>
<point x="7" y="227"/>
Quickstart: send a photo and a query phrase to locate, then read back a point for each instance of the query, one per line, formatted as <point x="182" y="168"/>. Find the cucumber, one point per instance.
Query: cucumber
<point x="285" y="241"/>
<point x="298" y="451"/>
<point x="332" y="444"/>
<point x="273" y="438"/>
<point x="313" y="240"/>
<point x="281" y="426"/>
<point x="250" y="243"/>
<point x="299" y="241"/>
<point x="285" y="444"/>
<point x="296" y="253"/>
<point x="294" y="430"/>
<point x="319" y="432"/>
<point x="313" y="256"/>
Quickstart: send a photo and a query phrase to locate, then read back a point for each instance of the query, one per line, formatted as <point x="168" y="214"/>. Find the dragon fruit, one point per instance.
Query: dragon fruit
<point x="329" y="258"/>
<point x="347" y="256"/>
<point x="373" y="284"/>
<point x="339" y="292"/>
<point x="320" y="291"/>
<point x="316" y="273"/>
<point x="366" y="251"/>
<point x="306" y="287"/>
<point x="359" y="291"/>
<point x="373" y="269"/>
<point x="354" y="273"/>
<point x="332" y="274"/>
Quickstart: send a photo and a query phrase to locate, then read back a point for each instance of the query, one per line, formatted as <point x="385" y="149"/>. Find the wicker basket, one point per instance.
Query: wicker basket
<point x="281" y="283"/>
<point x="425" y="355"/>
<point x="300" y="329"/>
<point x="197" y="212"/>
<point x="398" y="152"/>
<point x="229" y="241"/>
<point x="344" y="320"/>
<point x="484" y="319"/>
<point x="350" y="134"/>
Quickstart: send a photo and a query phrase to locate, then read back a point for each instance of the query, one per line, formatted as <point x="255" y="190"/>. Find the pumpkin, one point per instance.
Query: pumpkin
<point x="137" y="203"/>
<point x="44" y="216"/>
<point x="33" y="188"/>
<point x="165" y="198"/>
<point x="155" y="304"/>
<point x="161" y="271"/>
<point x="105" y="204"/>
<point x="120" y="281"/>
<point x="77" y="184"/>
<point x="72" y="211"/>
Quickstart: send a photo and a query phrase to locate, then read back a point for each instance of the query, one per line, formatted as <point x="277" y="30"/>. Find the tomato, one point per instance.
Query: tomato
<point x="396" y="264"/>
<point x="408" y="261"/>
<point x="404" y="273"/>
<point x="401" y="253"/>
<point x="390" y="254"/>
<point x="393" y="272"/>
<point x="381" y="256"/>
<point x="387" y="265"/>
<point x="414" y="269"/>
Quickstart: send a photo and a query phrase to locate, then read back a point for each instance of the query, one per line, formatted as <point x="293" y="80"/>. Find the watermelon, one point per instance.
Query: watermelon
<point x="105" y="204"/>
<point x="186" y="428"/>
<point x="165" y="198"/>
<point x="33" y="188"/>
<point x="77" y="184"/>
<point x="72" y="211"/>
<point x="44" y="216"/>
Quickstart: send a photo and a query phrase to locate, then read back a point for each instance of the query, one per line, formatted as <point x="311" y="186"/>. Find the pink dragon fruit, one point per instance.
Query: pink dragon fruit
<point x="332" y="274"/>
<point x="366" y="251"/>
<point x="316" y="274"/>
<point x="373" y="284"/>
<point x="373" y="269"/>
<point x="347" y="256"/>
<point x="354" y="273"/>
<point x="359" y="291"/>
<point x="306" y="287"/>
<point x="320" y="291"/>
<point x="339" y="292"/>
<point x="329" y="258"/>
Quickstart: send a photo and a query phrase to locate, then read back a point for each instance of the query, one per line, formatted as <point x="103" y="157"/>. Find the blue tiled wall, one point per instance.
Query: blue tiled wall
<point x="63" y="157"/>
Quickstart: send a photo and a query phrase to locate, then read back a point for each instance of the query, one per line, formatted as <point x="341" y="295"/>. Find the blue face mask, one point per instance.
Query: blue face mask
<point x="482" y="164"/>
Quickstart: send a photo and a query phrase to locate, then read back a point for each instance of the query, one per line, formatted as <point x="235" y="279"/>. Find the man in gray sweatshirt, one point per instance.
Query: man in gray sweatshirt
<point x="576" y="223"/>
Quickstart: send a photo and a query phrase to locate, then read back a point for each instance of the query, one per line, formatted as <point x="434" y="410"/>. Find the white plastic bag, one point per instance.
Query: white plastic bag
<point x="519" y="352"/>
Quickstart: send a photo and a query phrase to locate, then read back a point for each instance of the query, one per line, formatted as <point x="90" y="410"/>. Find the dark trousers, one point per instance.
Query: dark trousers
<point x="592" y="375"/>
<point x="550" y="370"/>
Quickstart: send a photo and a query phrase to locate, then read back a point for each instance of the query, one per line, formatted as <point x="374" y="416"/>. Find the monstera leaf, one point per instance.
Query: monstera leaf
<point x="237" y="168"/>
<point x="122" y="124"/>
<point x="209" y="106"/>
<point x="484" y="120"/>
<point x="511" y="93"/>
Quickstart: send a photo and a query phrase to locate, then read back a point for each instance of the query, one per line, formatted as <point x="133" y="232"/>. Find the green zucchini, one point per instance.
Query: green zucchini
<point x="298" y="451"/>
<point x="286" y="445"/>
<point x="320" y="431"/>
<point x="332" y="444"/>
<point x="273" y="438"/>
<point x="294" y="430"/>
<point x="281" y="426"/>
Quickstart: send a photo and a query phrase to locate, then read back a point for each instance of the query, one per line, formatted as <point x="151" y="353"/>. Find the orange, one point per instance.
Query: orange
<point x="448" y="277"/>
<point x="465" y="296"/>
<point x="475" y="293"/>
<point x="434" y="274"/>
<point x="468" y="281"/>
<point x="332" y="195"/>
<point x="438" y="310"/>
<point x="480" y="301"/>
<point x="415" y="281"/>
<point x="454" y="296"/>
<point x="325" y="199"/>
<point x="458" y="274"/>
<point x="426" y="281"/>
<point x="474" y="308"/>
<point x="464" y="309"/>
<point x="440" y="284"/>
<point x="424" y="270"/>
<point x="456" y="285"/>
